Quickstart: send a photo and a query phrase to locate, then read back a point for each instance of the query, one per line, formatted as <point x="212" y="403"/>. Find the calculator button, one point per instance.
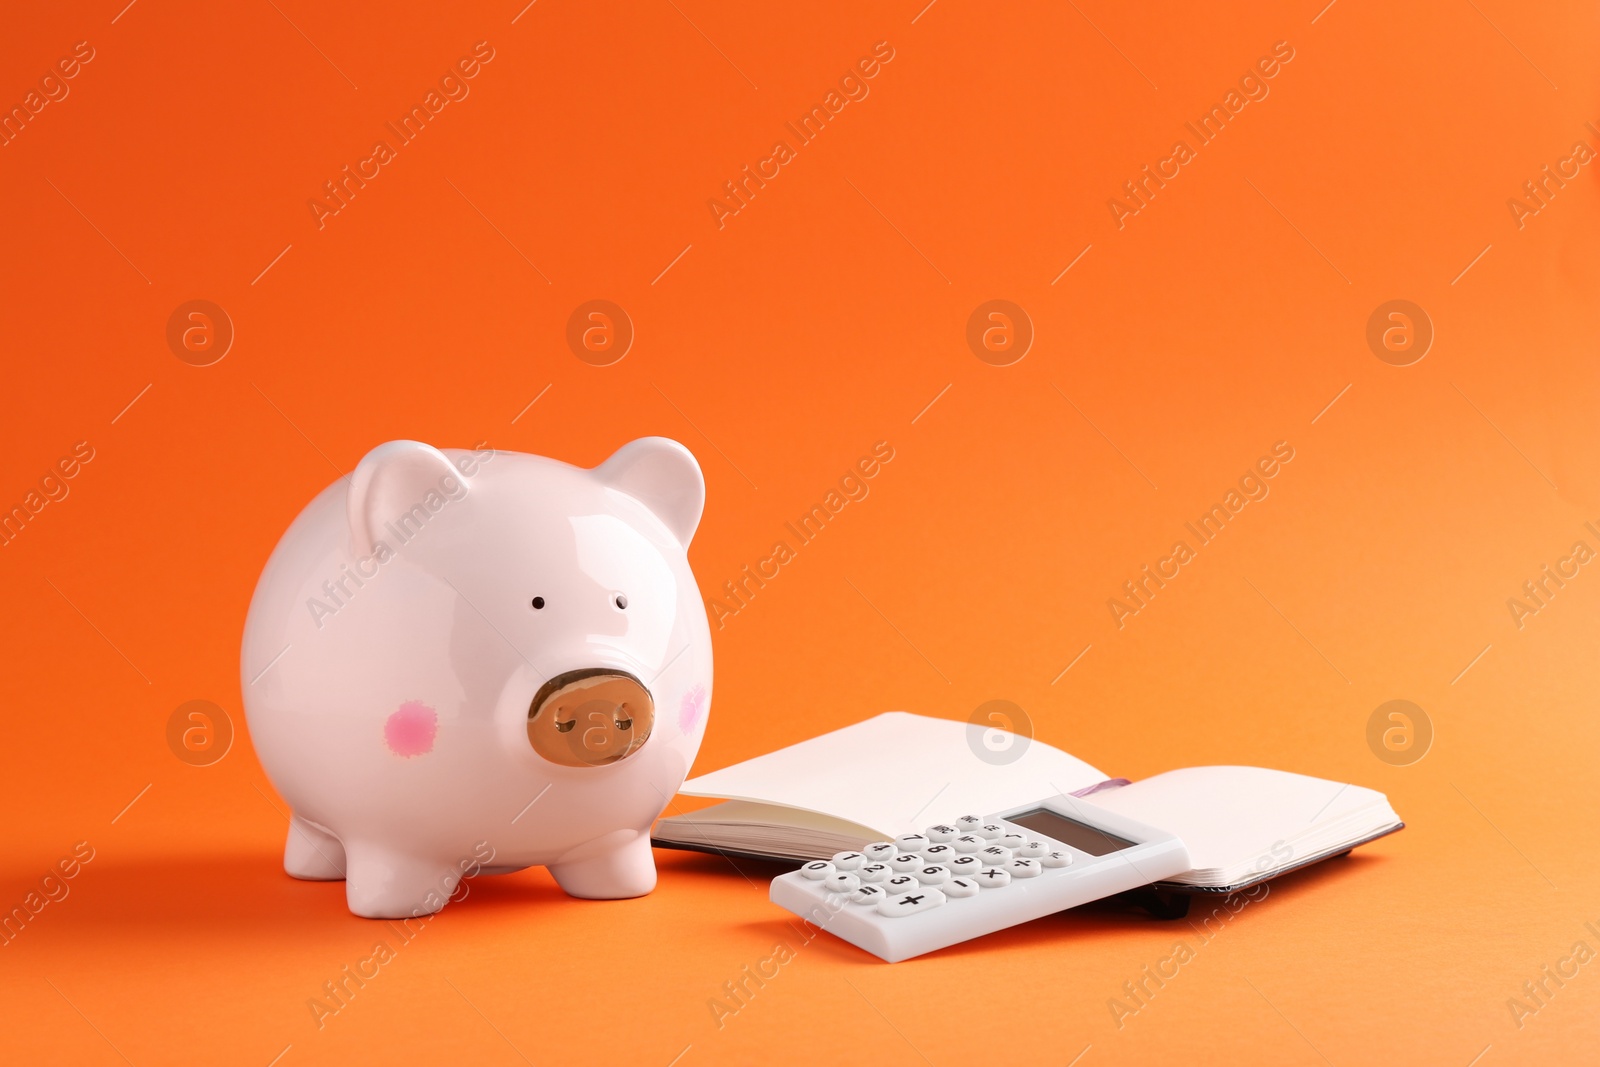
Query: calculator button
<point x="880" y="851"/>
<point x="933" y="875"/>
<point x="901" y="883"/>
<point x="849" y="861"/>
<point x="1056" y="859"/>
<point x="965" y="865"/>
<point x="968" y="823"/>
<point x="992" y="878"/>
<point x="1020" y="868"/>
<point x="995" y="855"/>
<point x="961" y="887"/>
<point x="874" y="872"/>
<point x="1033" y="849"/>
<point x="817" y="869"/>
<point x="940" y="834"/>
<point x="990" y="830"/>
<point x="911" y="842"/>
<point x="906" y="862"/>
<point x="967" y="843"/>
<point x="868" y="894"/>
<point x="939" y="853"/>
<point x="841" y="882"/>
<point x="1011" y="841"/>
<point x="910" y="903"/>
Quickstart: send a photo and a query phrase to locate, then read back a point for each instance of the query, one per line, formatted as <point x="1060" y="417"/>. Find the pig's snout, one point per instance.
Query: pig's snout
<point x="591" y="717"/>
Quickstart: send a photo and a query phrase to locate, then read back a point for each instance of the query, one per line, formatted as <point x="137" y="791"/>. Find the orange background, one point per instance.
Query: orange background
<point x="824" y="317"/>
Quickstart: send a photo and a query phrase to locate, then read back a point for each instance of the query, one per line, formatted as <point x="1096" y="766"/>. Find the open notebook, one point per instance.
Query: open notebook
<point x="897" y="772"/>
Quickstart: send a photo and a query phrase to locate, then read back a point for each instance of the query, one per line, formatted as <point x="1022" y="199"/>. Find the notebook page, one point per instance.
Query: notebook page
<point x="1232" y="817"/>
<point x="897" y="772"/>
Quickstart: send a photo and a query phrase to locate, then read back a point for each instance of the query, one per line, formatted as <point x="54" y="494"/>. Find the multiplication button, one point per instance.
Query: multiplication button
<point x="992" y="878"/>
<point x="905" y="904"/>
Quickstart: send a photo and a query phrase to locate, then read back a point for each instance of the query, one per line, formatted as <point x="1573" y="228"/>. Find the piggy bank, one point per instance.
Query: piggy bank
<point x="463" y="661"/>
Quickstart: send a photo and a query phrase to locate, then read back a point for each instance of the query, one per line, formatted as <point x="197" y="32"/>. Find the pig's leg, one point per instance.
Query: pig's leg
<point x="617" y="865"/>
<point x="312" y="853"/>
<point x="384" y="883"/>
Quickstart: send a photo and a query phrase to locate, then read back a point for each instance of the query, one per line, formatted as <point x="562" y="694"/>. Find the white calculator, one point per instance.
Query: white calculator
<point x="950" y="883"/>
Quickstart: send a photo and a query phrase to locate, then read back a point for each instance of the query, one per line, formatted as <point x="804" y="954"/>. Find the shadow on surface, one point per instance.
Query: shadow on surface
<point x="245" y="897"/>
<point x="1115" y="916"/>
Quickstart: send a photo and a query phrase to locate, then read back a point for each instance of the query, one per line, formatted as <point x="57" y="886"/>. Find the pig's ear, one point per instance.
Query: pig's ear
<point x="663" y="475"/>
<point x="391" y="480"/>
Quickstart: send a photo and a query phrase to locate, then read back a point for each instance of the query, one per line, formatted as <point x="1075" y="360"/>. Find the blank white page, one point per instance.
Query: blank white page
<point x="897" y="772"/>
<point x="1233" y="816"/>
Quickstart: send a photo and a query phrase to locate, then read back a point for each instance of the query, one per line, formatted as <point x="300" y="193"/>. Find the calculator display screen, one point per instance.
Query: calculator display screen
<point x="1080" y="836"/>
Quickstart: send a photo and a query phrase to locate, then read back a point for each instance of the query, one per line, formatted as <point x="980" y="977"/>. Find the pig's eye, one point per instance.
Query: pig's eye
<point x="620" y="601"/>
<point x="538" y="603"/>
<point x="565" y="727"/>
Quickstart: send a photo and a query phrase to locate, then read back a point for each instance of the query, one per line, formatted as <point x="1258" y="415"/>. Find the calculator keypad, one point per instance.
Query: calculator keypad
<point x="915" y="873"/>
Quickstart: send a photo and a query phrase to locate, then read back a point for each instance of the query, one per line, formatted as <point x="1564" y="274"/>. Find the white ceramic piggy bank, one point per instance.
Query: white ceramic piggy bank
<point x="459" y="661"/>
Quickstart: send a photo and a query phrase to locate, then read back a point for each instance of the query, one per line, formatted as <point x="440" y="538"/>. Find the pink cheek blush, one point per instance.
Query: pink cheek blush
<point x="694" y="702"/>
<point x="411" y="730"/>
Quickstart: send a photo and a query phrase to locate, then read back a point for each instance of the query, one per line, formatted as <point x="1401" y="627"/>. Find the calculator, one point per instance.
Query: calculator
<point x="953" y="882"/>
